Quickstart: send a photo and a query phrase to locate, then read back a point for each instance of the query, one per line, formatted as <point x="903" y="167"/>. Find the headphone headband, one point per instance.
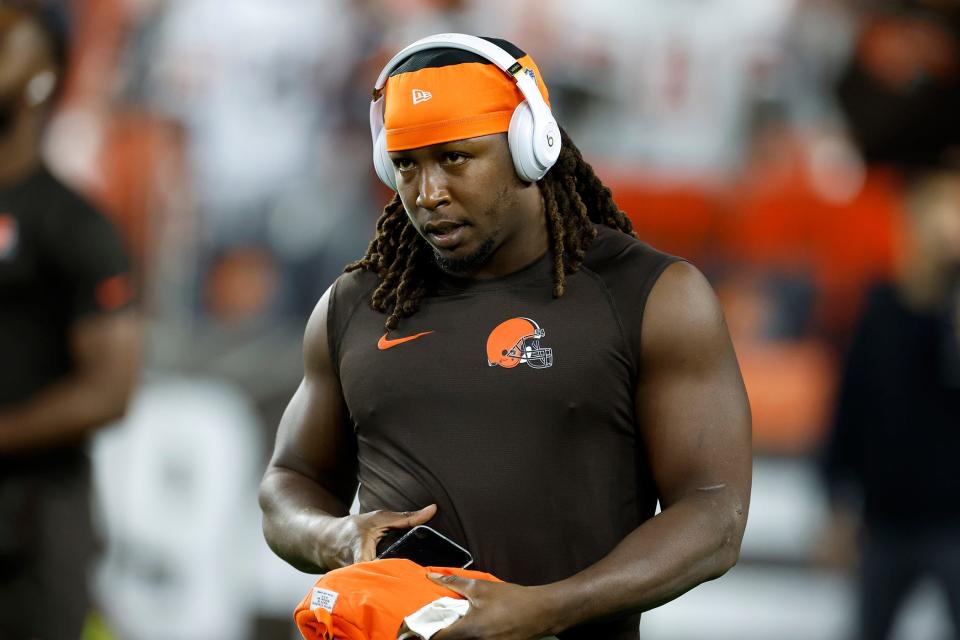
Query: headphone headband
<point x="473" y="44"/>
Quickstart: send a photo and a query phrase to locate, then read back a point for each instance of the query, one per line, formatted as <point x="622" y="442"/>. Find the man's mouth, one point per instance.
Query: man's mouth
<point x="444" y="234"/>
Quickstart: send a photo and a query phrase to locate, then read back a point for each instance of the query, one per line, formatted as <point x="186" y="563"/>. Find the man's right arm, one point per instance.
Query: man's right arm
<point x="310" y="481"/>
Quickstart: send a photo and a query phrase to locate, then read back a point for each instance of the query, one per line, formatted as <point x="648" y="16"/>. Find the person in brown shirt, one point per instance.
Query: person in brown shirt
<point x="69" y="349"/>
<point x="509" y="363"/>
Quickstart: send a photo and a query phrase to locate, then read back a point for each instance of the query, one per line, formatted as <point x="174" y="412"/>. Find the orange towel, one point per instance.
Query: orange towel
<point x="368" y="601"/>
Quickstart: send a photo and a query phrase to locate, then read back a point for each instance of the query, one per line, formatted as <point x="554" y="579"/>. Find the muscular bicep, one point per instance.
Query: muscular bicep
<point x="106" y="352"/>
<point x="692" y="407"/>
<point x="315" y="438"/>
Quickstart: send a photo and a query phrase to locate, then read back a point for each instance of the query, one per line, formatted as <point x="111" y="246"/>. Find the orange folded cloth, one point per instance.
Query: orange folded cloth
<point x="369" y="600"/>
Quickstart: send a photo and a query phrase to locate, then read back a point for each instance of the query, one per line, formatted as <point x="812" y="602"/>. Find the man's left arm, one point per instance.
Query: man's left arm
<point x="105" y="349"/>
<point x="103" y="337"/>
<point x="694" y="422"/>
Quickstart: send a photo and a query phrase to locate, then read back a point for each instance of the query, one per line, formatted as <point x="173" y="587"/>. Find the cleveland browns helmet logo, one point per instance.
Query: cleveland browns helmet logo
<point x="517" y="341"/>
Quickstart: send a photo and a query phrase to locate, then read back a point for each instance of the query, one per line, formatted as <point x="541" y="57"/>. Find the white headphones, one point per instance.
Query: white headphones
<point x="533" y="137"/>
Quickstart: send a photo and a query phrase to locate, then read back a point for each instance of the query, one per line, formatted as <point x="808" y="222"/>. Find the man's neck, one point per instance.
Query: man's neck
<point x="18" y="159"/>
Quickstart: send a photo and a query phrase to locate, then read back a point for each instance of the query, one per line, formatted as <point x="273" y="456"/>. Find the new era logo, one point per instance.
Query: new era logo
<point x="419" y="95"/>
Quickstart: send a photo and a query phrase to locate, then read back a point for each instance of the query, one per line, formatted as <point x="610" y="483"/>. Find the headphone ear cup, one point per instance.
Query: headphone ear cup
<point x="382" y="163"/>
<point x="533" y="151"/>
<point x="520" y="139"/>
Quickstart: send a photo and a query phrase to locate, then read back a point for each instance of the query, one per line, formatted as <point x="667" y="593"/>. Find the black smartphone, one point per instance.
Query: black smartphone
<point x="428" y="548"/>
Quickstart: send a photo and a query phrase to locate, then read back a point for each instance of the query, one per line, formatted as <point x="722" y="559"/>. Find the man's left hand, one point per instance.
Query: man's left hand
<point x="498" y="611"/>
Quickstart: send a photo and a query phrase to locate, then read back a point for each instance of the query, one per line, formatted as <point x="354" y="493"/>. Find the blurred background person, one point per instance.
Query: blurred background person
<point x="255" y="92"/>
<point x="891" y="459"/>
<point x="69" y="346"/>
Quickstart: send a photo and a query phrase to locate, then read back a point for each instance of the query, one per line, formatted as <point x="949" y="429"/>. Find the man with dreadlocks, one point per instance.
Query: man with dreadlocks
<point x="509" y="363"/>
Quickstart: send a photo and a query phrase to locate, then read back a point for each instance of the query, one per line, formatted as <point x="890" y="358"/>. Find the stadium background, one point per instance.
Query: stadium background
<point x="228" y="139"/>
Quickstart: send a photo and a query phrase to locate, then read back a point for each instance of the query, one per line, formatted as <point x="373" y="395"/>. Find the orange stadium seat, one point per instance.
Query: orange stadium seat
<point x="679" y="218"/>
<point x="842" y="247"/>
<point x="854" y="245"/>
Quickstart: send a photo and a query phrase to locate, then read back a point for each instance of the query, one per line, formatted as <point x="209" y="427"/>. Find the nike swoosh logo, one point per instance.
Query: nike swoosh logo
<point x="383" y="344"/>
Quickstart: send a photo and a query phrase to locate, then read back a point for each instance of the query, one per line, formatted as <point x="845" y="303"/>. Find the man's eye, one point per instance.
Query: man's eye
<point x="402" y="164"/>
<point x="454" y="157"/>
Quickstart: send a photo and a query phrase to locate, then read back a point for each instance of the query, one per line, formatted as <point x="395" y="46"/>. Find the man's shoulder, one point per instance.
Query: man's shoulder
<point x="356" y="282"/>
<point x="628" y="269"/>
<point x="68" y="214"/>
<point x="43" y="197"/>
<point x="349" y="289"/>
<point x="69" y="231"/>
<point x="51" y="193"/>
<point x="614" y="255"/>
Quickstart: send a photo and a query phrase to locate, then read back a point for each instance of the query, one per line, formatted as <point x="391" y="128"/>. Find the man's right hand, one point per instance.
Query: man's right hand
<point x="360" y="533"/>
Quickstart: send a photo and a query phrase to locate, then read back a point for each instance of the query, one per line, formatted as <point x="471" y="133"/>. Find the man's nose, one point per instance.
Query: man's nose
<point x="433" y="188"/>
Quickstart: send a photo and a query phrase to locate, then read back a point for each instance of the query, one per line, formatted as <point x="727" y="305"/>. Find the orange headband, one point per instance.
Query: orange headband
<point x="453" y="102"/>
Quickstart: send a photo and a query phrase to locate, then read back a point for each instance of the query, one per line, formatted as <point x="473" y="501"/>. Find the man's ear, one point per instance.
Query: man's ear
<point x="40" y="87"/>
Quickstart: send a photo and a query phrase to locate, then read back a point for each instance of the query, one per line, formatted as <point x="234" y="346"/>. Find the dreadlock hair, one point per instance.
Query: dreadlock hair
<point x="574" y="199"/>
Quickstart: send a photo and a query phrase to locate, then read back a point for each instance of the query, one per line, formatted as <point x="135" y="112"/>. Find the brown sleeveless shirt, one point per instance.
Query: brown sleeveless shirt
<point x="511" y="410"/>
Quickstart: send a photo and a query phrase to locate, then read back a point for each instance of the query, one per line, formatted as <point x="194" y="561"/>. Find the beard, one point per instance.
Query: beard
<point x="468" y="264"/>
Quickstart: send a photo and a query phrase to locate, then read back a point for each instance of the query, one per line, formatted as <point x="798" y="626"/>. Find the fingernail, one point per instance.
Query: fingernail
<point x="434" y="576"/>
